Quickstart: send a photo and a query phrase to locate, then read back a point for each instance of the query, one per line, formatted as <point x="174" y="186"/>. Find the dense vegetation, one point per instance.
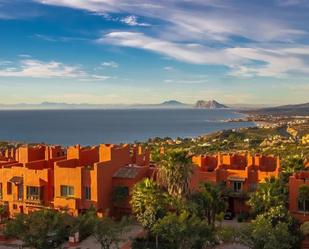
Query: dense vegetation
<point x="46" y="229"/>
<point x="176" y="218"/>
<point x="275" y="141"/>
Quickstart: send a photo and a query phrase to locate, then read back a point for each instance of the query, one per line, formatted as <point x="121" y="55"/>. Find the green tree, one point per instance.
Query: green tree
<point x="290" y="165"/>
<point x="274" y="229"/>
<point x="305" y="228"/>
<point x="268" y="194"/>
<point x="120" y="194"/>
<point x="209" y="201"/>
<point x="183" y="231"/>
<point x="148" y="203"/>
<point x="110" y="233"/>
<point x="174" y="172"/>
<point x="3" y="211"/>
<point x="41" y="229"/>
<point x="303" y="196"/>
<point x="85" y="223"/>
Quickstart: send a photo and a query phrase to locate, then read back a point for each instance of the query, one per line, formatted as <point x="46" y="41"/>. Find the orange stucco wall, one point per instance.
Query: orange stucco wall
<point x="228" y="168"/>
<point x="295" y="182"/>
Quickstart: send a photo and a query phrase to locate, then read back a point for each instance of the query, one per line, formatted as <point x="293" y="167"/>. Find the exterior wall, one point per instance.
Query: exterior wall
<point x="33" y="168"/>
<point x="118" y="157"/>
<point x="30" y="177"/>
<point x="125" y="208"/>
<point x="295" y="182"/>
<point x="246" y="169"/>
<point x="93" y="168"/>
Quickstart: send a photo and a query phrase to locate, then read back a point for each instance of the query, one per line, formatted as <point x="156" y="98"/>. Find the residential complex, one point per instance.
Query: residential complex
<point x="241" y="173"/>
<point x="38" y="177"/>
<point x="73" y="179"/>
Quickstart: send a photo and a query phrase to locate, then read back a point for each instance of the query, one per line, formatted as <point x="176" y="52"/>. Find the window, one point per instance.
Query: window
<point x="9" y="188"/>
<point x="303" y="206"/>
<point x="33" y="193"/>
<point x="237" y="186"/>
<point x="20" y="192"/>
<point x="87" y="192"/>
<point x="66" y="190"/>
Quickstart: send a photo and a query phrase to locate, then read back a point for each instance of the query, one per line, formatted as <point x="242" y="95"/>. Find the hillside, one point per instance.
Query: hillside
<point x="284" y="110"/>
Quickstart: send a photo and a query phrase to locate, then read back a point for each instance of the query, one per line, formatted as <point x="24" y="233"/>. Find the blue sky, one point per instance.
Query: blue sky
<point x="116" y="51"/>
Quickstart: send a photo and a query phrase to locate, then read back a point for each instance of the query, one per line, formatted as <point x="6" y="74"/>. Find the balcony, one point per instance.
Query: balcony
<point x="34" y="200"/>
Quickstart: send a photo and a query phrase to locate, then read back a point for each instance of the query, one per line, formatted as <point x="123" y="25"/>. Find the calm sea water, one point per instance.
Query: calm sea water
<point x="88" y="127"/>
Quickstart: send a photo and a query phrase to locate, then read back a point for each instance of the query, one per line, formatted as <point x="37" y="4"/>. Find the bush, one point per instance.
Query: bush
<point x="242" y="217"/>
<point x="305" y="228"/>
<point x="226" y="234"/>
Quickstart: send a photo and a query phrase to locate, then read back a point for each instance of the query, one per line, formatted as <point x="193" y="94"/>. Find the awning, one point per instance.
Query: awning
<point x="236" y="179"/>
<point x="16" y="180"/>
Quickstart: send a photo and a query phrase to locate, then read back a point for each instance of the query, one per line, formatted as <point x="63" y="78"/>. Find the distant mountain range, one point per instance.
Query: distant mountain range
<point x="211" y="104"/>
<point x="295" y="110"/>
<point x="56" y="105"/>
<point x="300" y="109"/>
<point x="173" y="103"/>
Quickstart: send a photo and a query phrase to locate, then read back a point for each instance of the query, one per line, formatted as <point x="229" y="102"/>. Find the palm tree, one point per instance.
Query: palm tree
<point x="174" y="173"/>
<point x="303" y="195"/>
<point x="210" y="200"/>
<point x="269" y="194"/>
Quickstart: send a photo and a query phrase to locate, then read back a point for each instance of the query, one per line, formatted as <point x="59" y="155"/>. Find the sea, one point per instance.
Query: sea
<point x="89" y="127"/>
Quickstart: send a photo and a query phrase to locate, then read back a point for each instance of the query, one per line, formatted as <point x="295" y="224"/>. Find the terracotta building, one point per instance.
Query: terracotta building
<point x="38" y="177"/>
<point x="26" y="177"/>
<point x="239" y="172"/>
<point x="86" y="177"/>
<point x="75" y="178"/>
<point x="296" y="207"/>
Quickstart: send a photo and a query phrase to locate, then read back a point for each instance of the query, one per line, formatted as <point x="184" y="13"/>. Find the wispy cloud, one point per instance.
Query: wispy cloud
<point x="112" y="64"/>
<point x="41" y="69"/>
<point x="293" y="2"/>
<point x="186" y="81"/>
<point x="243" y="61"/>
<point x="205" y="20"/>
<point x="132" y="21"/>
<point x="192" y="53"/>
<point x="169" y="68"/>
<point x="58" y="38"/>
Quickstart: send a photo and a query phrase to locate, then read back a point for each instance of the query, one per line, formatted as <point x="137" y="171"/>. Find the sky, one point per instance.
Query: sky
<point x="134" y="51"/>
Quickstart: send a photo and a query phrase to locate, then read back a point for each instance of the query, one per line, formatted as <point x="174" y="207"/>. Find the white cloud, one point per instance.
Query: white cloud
<point x="243" y="61"/>
<point x="204" y="31"/>
<point x="24" y="55"/>
<point x="169" y="68"/>
<point x="276" y="62"/>
<point x="5" y="62"/>
<point x="184" y="52"/>
<point x="186" y="81"/>
<point x="112" y="64"/>
<point x="220" y="22"/>
<point x="58" y="38"/>
<point x="293" y="2"/>
<point x="132" y="21"/>
<point x="51" y="69"/>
